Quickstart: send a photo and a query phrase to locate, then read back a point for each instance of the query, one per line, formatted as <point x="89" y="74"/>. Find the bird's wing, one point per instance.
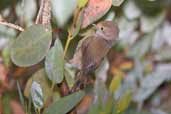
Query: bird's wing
<point x="76" y="61"/>
<point x="93" y="51"/>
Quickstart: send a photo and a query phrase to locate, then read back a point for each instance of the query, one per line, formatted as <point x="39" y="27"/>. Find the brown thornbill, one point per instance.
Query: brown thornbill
<point x="91" y="50"/>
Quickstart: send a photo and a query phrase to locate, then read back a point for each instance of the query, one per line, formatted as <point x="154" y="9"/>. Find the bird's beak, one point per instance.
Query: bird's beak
<point x="95" y="26"/>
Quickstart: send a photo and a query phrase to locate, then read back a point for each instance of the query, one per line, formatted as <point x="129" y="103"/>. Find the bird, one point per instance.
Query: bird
<point x="92" y="49"/>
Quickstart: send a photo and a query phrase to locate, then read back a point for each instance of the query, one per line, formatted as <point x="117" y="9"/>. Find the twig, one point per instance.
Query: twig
<point x="12" y="26"/>
<point x="44" y="12"/>
<point x="72" y="32"/>
<point x="40" y="11"/>
<point x="52" y="86"/>
<point x="67" y="43"/>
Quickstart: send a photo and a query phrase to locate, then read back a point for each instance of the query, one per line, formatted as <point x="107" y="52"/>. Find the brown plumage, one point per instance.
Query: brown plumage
<point x="95" y="47"/>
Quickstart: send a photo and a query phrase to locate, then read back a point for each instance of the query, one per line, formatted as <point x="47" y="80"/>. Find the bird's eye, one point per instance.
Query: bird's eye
<point x="102" y="28"/>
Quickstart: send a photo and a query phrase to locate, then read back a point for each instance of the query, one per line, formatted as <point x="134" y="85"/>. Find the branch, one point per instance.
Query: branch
<point x="44" y="13"/>
<point x="12" y="25"/>
<point x="40" y="11"/>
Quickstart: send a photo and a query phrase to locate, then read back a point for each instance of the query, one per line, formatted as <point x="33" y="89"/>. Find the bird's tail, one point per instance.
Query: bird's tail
<point x="80" y="83"/>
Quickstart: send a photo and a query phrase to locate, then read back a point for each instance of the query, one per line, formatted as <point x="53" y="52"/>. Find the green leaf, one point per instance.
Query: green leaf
<point x="63" y="10"/>
<point x="41" y="78"/>
<point x="54" y="63"/>
<point x="6" y="56"/>
<point x="5" y="99"/>
<point x="154" y="22"/>
<point x="20" y="94"/>
<point x="109" y="105"/>
<point x="78" y="25"/>
<point x="117" y="2"/>
<point x="31" y="46"/>
<point x="124" y="102"/>
<point x="65" y="104"/>
<point x="163" y="54"/>
<point x="150" y="83"/>
<point x="37" y="95"/>
<point x="115" y="84"/>
<point x="81" y="3"/>
<point x="69" y="75"/>
<point x="141" y="47"/>
<point x="94" y="109"/>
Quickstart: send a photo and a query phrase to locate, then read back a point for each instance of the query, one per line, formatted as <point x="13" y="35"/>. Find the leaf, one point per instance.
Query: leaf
<point x="69" y="75"/>
<point x="164" y="32"/>
<point x="163" y="54"/>
<point x="115" y="84"/>
<point x="82" y="3"/>
<point x="16" y="107"/>
<point x="77" y="24"/>
<point x="94" y="109"/>
<point x="41" y="78"/>
<point x="37" y="95"/>
<point x="108" y="106"/>
<point x="62" y="10"/>
<point x="130" y="6"/>
<point x="151" y="82"/>
<point x="6" y="56"/>
<point x="110" y="16"/>
<point x="117" y="2"/>
<point x="28" y="11"/>
<point x="154" y="22"/>
<point x="124" y="102"/>
<point x="127" y="34"/>
<point x="65" y="104"/>
<point x="20" y="94"/>
<point x="31" y="46"/>
<point x="102" y="70"/>
<point x="54" y="63"/>
<point x="141" y="47"/>
<point x="6" y="98"/>
<point x="94" y="10"/>
<point x="7" y="33"/>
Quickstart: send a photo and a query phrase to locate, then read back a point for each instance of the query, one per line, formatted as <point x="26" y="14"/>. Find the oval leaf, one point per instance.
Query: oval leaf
<point x="69" y="75"/>
<point x="124" y="102"/>
<point x="94" y="10"/>
<point x="115" y="84"/>
<point x="37" y="95"/>
<point x="54" y="63"/>
<point x="41" y="78"/>
<point x="154" y="22"/>
<point x="31" y="46"/>
<point x="136" y="51"/>
<point x="62" y="10"/>
<point x="65" y="104"/>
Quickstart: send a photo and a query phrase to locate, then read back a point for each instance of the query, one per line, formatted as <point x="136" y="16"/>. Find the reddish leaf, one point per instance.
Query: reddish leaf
<point x="84" y="105"/>
<point x="16" y="107"/>
<point x="94" y="10"/>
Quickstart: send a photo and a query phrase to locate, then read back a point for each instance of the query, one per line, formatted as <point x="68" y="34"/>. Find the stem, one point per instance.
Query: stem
<point x="67" y="43"/>
<point x="39" y="110"/>
<point x="52" y="86"/>
<point x="12" y="26"/>
<point x="40" y="11"/>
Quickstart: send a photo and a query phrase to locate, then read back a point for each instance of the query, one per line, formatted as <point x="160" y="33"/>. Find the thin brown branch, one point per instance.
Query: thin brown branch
<point x="12" y="25"/>
<point x="40" y="12"/>
<point x="46" y="14"/>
